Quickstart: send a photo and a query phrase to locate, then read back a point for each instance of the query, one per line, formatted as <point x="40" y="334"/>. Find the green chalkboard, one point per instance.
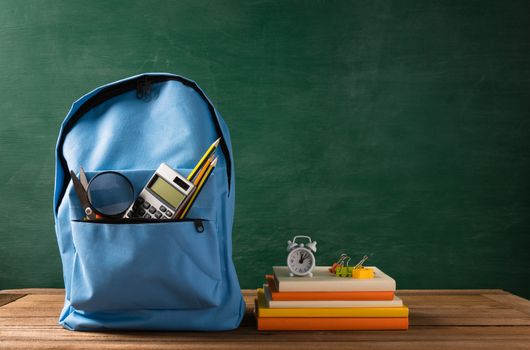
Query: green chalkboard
<point x="398" y="129"/>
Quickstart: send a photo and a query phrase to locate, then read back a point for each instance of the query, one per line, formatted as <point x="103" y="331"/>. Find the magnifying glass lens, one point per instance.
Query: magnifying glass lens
<point x="110" y="193"/>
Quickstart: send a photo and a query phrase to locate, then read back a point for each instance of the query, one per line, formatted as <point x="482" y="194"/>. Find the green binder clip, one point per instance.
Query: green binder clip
<point x="343" y="269"/>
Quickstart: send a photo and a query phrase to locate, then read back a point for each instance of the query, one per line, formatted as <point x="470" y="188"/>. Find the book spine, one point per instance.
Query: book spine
<point x="330" y="323"/>
<point x="350" y="296"/>
<point x="321" y="286"/>
<point x="336" y="312"/>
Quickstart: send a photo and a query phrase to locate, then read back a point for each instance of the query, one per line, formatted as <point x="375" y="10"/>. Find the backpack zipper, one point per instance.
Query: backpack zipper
<point x="144" y="83"/>
<point x="198" y="223"/>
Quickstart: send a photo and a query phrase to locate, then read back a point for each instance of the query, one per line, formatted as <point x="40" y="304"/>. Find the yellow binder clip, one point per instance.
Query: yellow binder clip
<point x="361" y="272"/>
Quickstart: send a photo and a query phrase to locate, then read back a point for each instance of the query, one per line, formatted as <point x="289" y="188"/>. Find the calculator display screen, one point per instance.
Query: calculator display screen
<point x="167" y="192"/>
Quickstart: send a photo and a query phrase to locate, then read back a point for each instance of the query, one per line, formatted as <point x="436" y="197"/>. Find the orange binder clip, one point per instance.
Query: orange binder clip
<point x="339" y="263"/>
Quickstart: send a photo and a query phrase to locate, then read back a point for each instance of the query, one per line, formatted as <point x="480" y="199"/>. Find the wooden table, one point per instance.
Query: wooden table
<point x="440" y="319"/>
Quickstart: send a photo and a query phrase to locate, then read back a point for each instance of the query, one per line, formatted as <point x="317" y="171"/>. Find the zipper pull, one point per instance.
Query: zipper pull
<point x="143" y="89"/>
<point x="199" y="225"/>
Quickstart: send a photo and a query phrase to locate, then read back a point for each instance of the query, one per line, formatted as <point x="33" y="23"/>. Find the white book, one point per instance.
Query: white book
<point x="324" y="281"/>
<point x="288" y="304"/>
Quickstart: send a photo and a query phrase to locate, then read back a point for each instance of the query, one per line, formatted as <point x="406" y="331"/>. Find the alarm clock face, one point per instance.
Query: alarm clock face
<point x="300" y="261"/>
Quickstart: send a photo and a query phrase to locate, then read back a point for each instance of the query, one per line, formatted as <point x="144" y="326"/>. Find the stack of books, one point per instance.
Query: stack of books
<point x="328" y="302"/>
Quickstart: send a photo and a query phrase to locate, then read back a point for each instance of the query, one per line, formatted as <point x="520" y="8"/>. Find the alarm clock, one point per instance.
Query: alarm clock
<point x="301" y="258"/>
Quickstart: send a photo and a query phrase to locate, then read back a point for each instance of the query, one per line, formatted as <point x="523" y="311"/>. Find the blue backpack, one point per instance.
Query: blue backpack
<point x="172" y="275"/>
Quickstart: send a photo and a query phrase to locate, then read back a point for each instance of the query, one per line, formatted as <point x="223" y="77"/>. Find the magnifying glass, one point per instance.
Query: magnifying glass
<point x="110" y="194"/>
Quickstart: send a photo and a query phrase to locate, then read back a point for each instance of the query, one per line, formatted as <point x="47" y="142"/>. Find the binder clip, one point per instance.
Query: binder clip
<point x="338" y="263"/>
<point x="361" y="272"/>
<point x="341" y="267"/>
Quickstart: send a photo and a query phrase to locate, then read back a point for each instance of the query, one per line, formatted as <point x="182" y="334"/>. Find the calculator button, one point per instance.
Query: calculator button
<point x="158" y="215"/>
<point x="135" y="206"/>
<point x="152" y="210"/>
<point x="146" y="205"/>
<point x="147" y="216"/>
<point x="169" y="213"/>
<point x="162" y="208"/>
<point x="141" y="212"/>
<point x="130" y="214"/>
<point x="140" y="200"/>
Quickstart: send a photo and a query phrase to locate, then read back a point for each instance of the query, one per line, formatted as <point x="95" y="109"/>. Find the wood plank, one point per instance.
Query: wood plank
<point x="9" y="298"/>
<point x="32" y="304"/>
<point x="511" y="300"/>
<point x="421" y="312"/>
<point x="449" y="337"/>
<point x="418" y="316"/>
<point x="50" y="301"/>
<point x="449" y="291"/>
<point x="51" y="322"/>
<point x="43" y="298"/>
<point x="422" y="318"/>
<point x="478" y="301"/>
<point x="42" y="311"/>
<point x="441" y="301"/>
<point x="250" y="345"/>
<point x="47" y="322"/>
<point x="414" y="334"/>
<point x="471" y="321"/>
<point x="33" y="291"/>
<point x="437" y="300"/>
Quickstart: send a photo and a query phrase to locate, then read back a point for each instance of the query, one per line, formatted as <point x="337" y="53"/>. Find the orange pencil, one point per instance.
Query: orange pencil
<point x="198" y="188"/>
<point x="203" y="170"/>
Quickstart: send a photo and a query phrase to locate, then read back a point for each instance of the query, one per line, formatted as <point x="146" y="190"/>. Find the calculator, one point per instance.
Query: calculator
<point x="164" y="196"/>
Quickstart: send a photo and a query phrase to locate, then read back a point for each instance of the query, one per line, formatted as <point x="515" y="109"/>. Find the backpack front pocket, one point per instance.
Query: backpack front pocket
<point x="166" y="265"/>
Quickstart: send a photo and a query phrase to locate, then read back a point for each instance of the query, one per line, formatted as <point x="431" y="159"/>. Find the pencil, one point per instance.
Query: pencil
<point x="203" y="159"/>
<point x="199" y="188"/>
<point x="203" y="170"/>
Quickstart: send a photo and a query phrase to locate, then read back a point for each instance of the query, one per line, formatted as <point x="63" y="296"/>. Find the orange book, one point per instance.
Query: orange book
<point x="276" y="295"/>
<point x="331" y="323"/>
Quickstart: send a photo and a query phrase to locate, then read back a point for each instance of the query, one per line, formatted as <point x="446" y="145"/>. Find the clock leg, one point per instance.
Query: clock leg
<point x="310" y="274"/>
<point x="291" y="274"/>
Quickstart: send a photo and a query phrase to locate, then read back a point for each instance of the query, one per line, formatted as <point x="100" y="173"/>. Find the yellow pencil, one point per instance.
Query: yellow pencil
<point x="198" y="188"/>
<point x="203" y="159"/>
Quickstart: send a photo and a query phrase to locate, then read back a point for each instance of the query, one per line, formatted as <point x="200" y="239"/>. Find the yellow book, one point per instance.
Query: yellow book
<point x="264" y="311"/>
